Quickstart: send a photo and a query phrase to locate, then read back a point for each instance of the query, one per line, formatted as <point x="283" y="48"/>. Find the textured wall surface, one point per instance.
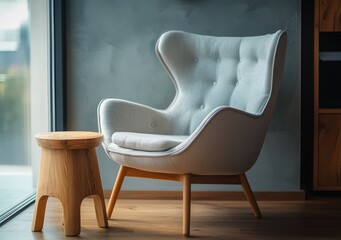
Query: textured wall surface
<point x="110" y="54"/>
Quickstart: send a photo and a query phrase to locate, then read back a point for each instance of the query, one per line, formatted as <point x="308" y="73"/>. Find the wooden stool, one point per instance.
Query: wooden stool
<point x="69" y="171"/>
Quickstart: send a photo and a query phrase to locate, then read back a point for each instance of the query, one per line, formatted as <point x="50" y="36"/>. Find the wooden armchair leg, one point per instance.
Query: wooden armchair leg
<point x="116" y="190"/>
<point x="186" y="181"/>
<point x="249" y="195"/>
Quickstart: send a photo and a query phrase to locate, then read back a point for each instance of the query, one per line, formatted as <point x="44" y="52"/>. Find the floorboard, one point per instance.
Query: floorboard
<point x="161" y="219"/>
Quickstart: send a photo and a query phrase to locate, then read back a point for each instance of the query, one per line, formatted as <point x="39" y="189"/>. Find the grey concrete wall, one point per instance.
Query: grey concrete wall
<point x="110" y="54"/>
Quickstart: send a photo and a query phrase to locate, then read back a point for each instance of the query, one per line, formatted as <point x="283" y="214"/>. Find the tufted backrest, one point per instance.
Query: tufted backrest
<point x="212" y="71"/>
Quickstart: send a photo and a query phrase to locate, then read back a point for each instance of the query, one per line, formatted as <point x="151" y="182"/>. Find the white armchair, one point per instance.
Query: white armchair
<point x="215" y="127"/>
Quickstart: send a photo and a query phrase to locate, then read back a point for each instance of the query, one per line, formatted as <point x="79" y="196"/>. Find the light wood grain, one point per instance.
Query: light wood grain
<point x="69" y="171"/>
<point x="161" y="219"/>
<point x="186" y="180"/>
<point x="186" y="204"/>
<point x="116" y="190"/>
<point x="68" y="140"/>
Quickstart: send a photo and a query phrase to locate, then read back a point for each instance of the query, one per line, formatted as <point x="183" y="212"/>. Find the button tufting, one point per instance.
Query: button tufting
<point x="214" y="83"/>
<point x="202" y="106"/>
<point x="153" y="124"/>
<point x="237" y="83"/>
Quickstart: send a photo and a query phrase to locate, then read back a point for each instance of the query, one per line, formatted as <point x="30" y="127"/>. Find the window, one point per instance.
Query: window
<point x="23" y="99"/>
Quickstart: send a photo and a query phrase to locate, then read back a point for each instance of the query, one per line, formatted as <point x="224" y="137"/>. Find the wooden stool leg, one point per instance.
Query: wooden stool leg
<point x="39" y="213"/>
<point x="72" y="218"/>
<point x="96" y="188"/>
<point x="101" y="214"/>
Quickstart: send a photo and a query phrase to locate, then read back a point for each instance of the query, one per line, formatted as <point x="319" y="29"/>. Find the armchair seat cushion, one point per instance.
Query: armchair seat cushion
<point x="147" y="142"/>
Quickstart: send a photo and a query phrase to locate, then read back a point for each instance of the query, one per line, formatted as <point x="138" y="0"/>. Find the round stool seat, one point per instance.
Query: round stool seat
<point x="68" y="140"/>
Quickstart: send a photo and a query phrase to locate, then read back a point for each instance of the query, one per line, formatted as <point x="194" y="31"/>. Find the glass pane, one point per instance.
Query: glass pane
<point x="15" y="165"/>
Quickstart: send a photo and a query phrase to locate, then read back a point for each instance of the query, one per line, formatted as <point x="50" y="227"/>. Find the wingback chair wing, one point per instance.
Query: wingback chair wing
<point x="214" y="129"/>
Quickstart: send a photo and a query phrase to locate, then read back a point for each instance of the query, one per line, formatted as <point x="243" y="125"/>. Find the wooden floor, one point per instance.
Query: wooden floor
<point x="161" y="219"/>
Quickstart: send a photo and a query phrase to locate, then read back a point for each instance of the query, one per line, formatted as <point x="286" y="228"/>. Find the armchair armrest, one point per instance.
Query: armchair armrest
<point x="231" y="137"/>
<point x="119" y="115"/>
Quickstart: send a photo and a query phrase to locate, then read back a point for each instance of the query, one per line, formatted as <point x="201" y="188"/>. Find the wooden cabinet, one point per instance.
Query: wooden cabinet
<point x="329" y="15"/>
<point x="327" y="95"/>
<point x="329" y="168"/>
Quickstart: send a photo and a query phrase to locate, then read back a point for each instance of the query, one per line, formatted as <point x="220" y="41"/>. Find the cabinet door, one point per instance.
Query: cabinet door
<point x="329" y="161"/>
<point x="330" y="15"/>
